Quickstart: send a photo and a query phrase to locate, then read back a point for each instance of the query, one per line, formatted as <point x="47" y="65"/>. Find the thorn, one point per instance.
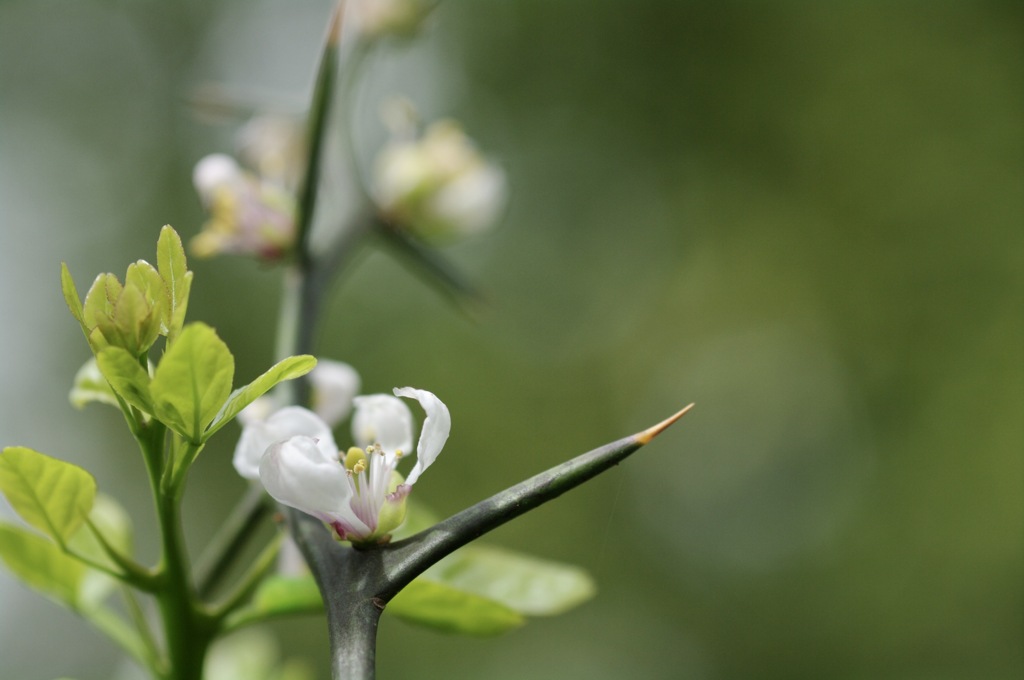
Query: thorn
<point x="334" y="31"/>
<point x="650" y="433"/>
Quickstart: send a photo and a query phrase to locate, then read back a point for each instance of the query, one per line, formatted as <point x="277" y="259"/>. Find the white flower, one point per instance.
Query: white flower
<point x="335" y="384"/>
<point x="362" y="497"/>
<point x="258" y="435"/>
<point x="248" y="215"/>
<point x="438" y="186"/>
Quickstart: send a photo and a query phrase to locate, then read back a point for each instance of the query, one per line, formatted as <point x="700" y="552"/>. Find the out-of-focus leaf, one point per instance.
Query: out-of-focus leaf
<point x="438" y="605"/>
<point x="289" y="369"/>
<point x="251" y="655"/>
<point x="523" y="583"/>
<point x="90" y="385"/>
<point x="126" y="376"/>
<point x="41" y="564"/>
<point x="279" y="596"/>
<point x="192" y="381"/>
<point x="51" y="495"/>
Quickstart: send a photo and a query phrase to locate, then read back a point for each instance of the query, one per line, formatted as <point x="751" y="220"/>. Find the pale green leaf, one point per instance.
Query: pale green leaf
<point x="437" y="605"/>
<point x="41" y="564"/>
<point x="289" y="369"/>
<point x="528" y="585"/>
<point x="51" y="495"/>
<point x="74" y="302"/>
<point x="173" y="268"/>
<point x="90" y="385"/>
<point x="192" y="381"/>
<point x="147" y="320"/>
<point x="128" y="378"/>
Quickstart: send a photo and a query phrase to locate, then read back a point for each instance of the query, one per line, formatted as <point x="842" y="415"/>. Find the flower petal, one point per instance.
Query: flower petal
<point x="385" y="420"/>
<point x="436" y="427"/>
<point x="297" y="473"/>
<point x="288" y="422"/>
<point x="335" y="385"/>
<point x="213" y="172"/>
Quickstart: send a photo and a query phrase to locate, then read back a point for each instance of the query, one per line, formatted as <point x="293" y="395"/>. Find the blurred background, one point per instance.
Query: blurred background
<point x="805" y="217"/>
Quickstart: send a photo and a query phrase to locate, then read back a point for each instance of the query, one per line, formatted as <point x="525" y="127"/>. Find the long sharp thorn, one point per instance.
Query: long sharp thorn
<point x="650" y="433"/>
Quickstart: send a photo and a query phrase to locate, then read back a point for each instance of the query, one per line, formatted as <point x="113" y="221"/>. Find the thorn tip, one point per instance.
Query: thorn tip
<point x="650" y="433"/>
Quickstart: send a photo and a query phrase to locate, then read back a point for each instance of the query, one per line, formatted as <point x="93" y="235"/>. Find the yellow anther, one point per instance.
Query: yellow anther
<point x="354" y="457"/>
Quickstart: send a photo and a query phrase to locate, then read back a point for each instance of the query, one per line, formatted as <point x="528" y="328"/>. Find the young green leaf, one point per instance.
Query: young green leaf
<point x="90" y="385"/>
<point x="126" y="376"/>
<point x="192" y="381"/>
<point x="74" y="302"/>
<point x="528" y="585"/>
<point x="440" y="606"/>
<point x="289" y="369"/>
<point x="173" y="268"/>
<point x="41" y="564"/>
<point x="51" y="495"/>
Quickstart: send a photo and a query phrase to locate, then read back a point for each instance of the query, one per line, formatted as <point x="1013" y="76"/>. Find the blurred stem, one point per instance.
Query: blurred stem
<point x="226" y="545"/>
<point x="323" y="92"/>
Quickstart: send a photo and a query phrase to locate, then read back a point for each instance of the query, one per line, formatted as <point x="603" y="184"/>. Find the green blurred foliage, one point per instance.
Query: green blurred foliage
<point x="806" y="217"/>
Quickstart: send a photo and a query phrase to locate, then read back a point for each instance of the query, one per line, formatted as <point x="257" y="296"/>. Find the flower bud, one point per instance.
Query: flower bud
<point x="438" y="186"/>
<point x="379" y="18"/>
<point x="131" y="316"/>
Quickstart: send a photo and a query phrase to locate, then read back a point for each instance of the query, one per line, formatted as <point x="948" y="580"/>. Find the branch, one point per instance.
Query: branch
<point x="405" y="560"/>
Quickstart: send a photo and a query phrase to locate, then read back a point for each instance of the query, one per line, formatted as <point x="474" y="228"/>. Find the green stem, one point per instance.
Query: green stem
<point x="317" y="127"/>
<point x="188" y="630"/>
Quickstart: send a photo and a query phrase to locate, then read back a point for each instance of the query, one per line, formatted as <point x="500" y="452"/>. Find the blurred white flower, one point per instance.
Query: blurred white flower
<point x="248" y="216"/>
<point x="274" y="146"/>
<point x="362" y="496"/>
<point x="438" y="186"/>
<point x="335" y="384"/>
<point x="378" y="18"/>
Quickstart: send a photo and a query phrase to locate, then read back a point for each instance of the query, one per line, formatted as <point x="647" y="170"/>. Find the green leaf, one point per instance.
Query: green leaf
<point x="192" y="381"/>
<point x="279" y="596"/>
<point x="147" y="320"/>
<point x="90" y="385"/>
<point x="437" y="605"/>
<point x="41" y="564"/>
<point x="289" y="369"/>
<point x="526" y="584"/>
<point x="173" y="268"/>
<point x="126" y="376"/>
<point x="51" y="495"/>
<point x="74" y="302"/>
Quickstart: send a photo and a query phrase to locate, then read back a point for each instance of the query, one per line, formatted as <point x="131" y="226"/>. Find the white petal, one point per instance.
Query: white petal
<point x="335" y="385"/>
<point x="382" y="419"/>
<point x="297" y="473"/>
<point x="213" y="172"/>
<point x="436" y="427"/>
<point x="288" y="422"/>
